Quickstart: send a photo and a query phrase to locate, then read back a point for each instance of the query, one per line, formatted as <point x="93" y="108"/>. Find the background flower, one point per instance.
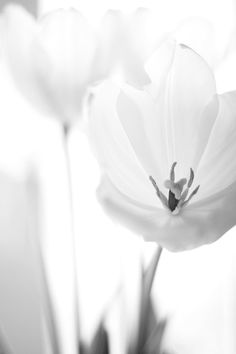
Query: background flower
<point x="129" y="39"/>
<point x="138" y="134"/>
<point x="53" y="60"/>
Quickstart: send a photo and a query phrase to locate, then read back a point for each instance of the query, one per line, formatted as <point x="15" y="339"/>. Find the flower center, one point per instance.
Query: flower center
<point x="178" y="195"/>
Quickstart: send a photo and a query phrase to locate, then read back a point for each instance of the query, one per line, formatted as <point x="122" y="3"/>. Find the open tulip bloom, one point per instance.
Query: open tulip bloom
<point x="53" y="59"/>
<point x="168" y="151"/>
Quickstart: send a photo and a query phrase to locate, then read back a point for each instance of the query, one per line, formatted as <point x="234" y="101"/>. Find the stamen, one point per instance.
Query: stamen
<point x="160" y="195"/>
<point x="191" y="178"/>
<point x="183" y="197"/>
<point x="177" y="196"/>
<point x="185" y="192"/>
<point x="191" y="195"/>
<point x="155" y="185"/>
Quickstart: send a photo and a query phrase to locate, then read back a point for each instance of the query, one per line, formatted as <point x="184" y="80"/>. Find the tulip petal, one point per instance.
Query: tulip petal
<point x="52" y="60"/>
<point x="70" y="46"/>
<point x="28" y="63"/>
<point x="198" y="224"/>
<point x="144" y="128"/>
<point x="199" y="34"/>
<point x="158" y="65"/>
<point x="114" y="150"/>
<point x="19" y="32"/>
<point x="129" y="41"/>
<point x="70" y="43"/>
<point x="217" y="168"/>
<point x="184" y="87"/>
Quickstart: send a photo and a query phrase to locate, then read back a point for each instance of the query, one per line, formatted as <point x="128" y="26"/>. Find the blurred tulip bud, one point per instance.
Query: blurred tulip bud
<point x="53" y="60"/>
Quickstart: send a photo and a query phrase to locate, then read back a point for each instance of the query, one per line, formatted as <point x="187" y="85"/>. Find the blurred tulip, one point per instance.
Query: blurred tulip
<point x="140" y="135"/>
<point x="129" y="39"/>
<point x="53" y="60"/>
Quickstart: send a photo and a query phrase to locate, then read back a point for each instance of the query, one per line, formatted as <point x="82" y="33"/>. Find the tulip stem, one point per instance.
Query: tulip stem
<point x="150" y="273"/>
<point x="66" y="130"/>
<point x="148" y="276"/>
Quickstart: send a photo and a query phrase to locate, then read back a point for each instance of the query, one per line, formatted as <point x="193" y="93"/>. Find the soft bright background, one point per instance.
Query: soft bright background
<point x="196" y="290"/>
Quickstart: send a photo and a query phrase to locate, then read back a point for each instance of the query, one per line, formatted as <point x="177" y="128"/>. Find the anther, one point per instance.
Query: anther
<point x="191" y="195"/>
<point x="177" y="194"/>
<point x="191" y="178"/>
<point x="160" y="195"/>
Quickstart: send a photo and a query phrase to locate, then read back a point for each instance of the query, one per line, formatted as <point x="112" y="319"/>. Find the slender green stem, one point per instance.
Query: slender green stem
<point x="66" y="131"/>
<point x="148" y="276"/>
<point x="152" y="269"/>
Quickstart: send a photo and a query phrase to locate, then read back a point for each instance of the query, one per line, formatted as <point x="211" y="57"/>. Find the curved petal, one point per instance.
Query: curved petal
<point x="199" y="34"/>
<point x="144" y="127"/>
<point x="20" y="30"/>
<point x="158" y="66"/>
<point x="114" y="150"/>
<point x="129" y="41"/>
<point x="201" y="223"/>
<point x="112" y="29"/>
<point x="141" y="40"/>
<point x="187" y="87"/>
<point x="217" y="168"/>
<point x="52" y="61"/>
<point x="70" y="43"/>
<point x="70" y="46"/>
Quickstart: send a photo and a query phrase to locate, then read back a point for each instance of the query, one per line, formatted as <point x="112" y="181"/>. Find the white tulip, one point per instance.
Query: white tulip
<point x="129" y="39"/>
<point x="53" y="60"/>
<point x="168" y="151"/>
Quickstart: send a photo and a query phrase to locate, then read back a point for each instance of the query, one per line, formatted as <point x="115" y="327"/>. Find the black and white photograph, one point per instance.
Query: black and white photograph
<point x="117" y="176"/>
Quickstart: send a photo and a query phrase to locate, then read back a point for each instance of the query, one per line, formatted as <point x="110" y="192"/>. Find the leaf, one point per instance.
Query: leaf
<point x="83" y="348"/>
<point x="100" y="342"/>
<point x="154" y="339"/>
<point x="150" y="328"/>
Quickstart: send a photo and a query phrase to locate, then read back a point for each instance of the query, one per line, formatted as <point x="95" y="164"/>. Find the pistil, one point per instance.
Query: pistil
<point x="172" y="201"/>
<point x="177" y="197"/>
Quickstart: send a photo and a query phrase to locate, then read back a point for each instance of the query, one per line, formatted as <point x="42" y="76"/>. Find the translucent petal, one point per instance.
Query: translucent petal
<point x="144" y="127"/>
<point x="53" y="61"/>
<point x="198" y="224"/>
<point x="111" y="31"/>
<point x="199" y="34"/>
<point x="20" y="30"/>
<point x="129" y="40"/>
<point x="217" y="168"/>
<point x="139" y="45"/>
<point x="158" y="66"/>
<point x="114" y="150"/>
<point x="187" y="86"/>
<point x="70" y="46"/>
